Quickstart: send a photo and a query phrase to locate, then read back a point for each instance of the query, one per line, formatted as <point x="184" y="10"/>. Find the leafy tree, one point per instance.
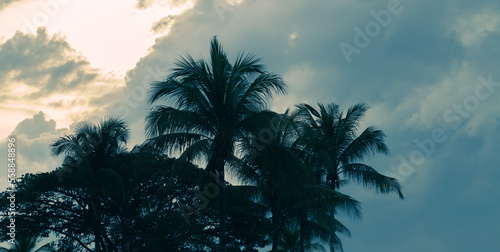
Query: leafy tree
<point x="45" y="205"/>
<point x="149" y="219"/>
<point x="214" y="104"/>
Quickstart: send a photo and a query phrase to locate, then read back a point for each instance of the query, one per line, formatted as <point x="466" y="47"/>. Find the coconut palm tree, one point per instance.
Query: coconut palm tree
<point x="274" y="170"/>
<point x="310" y="214"/>
<point x="90" y="155"/>
<point x="287" y="186"/>
<point x="27" y="244"/>
<point x="213" y="104"/>
<point x="331" y="140"/>
<point x="290" y="240"/>
<point x="279" y="178"/>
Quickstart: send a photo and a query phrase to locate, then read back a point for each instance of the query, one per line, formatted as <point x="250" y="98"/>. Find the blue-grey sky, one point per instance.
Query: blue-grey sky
<point x="427" y="69"/>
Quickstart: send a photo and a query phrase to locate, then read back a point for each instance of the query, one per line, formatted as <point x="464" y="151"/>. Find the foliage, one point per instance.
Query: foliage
<point x="291" y="166"/>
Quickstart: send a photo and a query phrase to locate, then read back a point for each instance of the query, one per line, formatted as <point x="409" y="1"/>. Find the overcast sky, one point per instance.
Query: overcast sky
<point x="427" y="69"/>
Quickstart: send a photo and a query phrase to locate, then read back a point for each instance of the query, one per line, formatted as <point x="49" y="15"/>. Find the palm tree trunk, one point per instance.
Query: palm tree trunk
<point x="219" y="167"/>
<point x="276" y="223"/>
<point x="96" y="225"/>
<point x="98" y="240"/>
<point x="222" y="212"/>
<point x="216" y="166"/>
<point x="333" y="185"/>
<point x="302" y="231"/>
<point x="276" y="234"/>
<point x="332" y="231"/>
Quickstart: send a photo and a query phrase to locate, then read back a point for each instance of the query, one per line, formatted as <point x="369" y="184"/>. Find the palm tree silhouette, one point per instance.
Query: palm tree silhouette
<point x="290" y="186"/>
<point x="91" y="155"/>
<point x="290" y="240"/>
<point x="333" y="145"/>
<point x="310" y="212"/>
<point x="214" y="104"/>
<point x="27" y="244"/>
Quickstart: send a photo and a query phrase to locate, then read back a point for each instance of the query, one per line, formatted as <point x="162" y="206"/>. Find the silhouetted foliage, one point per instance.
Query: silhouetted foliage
<point x="291" y="166"/>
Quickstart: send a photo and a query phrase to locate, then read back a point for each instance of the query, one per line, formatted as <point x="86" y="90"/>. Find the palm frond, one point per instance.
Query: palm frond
<point x="370" y="142"/>
<point x="173" y="142"/>
<point x="262" y="88"/>
<point x="166" y="120"/>
<point x="67" y="145"/>
<point x="370" y="178"/>
<point x="198" y="151"/>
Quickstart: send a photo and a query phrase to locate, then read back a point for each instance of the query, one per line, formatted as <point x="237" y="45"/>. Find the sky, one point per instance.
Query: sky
<point x="428" y="70"/>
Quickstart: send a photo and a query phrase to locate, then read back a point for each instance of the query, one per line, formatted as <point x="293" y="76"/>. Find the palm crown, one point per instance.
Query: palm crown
<point x="330" y="139"/>
<point x="27" y="244"/>
<point x="91" y="156"/>
<point x="214" y="105"/>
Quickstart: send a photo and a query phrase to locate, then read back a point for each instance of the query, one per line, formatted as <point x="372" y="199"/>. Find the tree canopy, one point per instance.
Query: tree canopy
<point x="171" y="192"/>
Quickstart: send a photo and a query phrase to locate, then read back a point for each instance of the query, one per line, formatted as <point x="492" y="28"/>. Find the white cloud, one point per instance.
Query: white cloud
<point x="473" y="28"/>
<point x="43" y="72"/>
<point x="33" y="137"/>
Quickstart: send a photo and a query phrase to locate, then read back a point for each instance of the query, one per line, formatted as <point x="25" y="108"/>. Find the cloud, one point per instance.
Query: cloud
<point x="163" y="24"/>
<point x="473" y="28"/>
<point x="34" y="127"/>
<point x="33" y="137"/>
<point x="144" y="4"/>
<point x="303" y="41"/>
<point x="42" y="65"/>
<point x="43" y="72"/>
<point x="141" y="4"/>
<point x="412" y="58"/>
<point x="5" y="3"/>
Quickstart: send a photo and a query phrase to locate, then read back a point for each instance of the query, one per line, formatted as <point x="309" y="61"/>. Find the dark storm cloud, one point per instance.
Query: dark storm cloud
<point x="419" y="67"/>
<point x="412" y="52"/>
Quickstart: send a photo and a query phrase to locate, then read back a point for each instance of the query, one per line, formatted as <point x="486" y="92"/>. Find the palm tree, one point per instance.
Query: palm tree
<point x="291" y="237"/>
<point x="289" y="186"/>
<point x="278" y="175"/>
<point x="91" y="155"/>
<point x="27" y="244"/>
<point x="310" y="213"/>
<point x="214" y="104"/>
<point x="276" y="171"/>
<point x="333" y="145"/>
